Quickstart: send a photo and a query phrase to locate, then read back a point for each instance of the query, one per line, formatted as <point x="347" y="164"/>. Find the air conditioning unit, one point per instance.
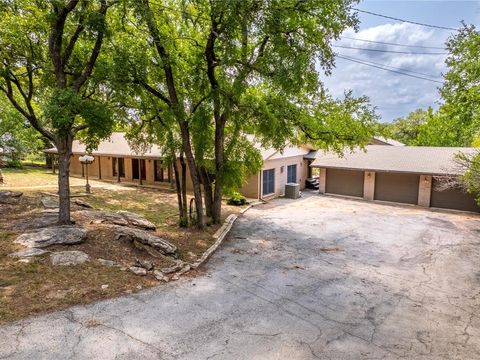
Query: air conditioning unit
<point x="292" y="191"/>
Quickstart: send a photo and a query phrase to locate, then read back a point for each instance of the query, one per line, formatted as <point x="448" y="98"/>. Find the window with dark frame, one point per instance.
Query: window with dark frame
<point x="292" y="173"/>
<point x="121" y="166"/>
<point x="162" y="171"/>
<point x="268" y="182"/>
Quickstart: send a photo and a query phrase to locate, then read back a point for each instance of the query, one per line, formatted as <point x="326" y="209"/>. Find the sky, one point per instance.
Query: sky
<point x="396" y="95"/>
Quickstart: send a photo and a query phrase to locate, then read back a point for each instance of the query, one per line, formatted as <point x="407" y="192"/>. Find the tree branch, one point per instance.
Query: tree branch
<point x="87" y="71"/>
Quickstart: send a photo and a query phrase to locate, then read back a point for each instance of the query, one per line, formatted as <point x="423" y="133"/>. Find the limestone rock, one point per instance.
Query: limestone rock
<point x="28" y="252"/>
<point x="160" y="276"/>
<point x="147" y="265"/>
<point x="108" y="263"/>
<point x="55" y="235"/>
<point x="138" y="270"/>
<point x="82" y="203"/>
<point x="137" y="220"/>
<point x="111" y="263"/>
<point x="73" y="257"/>
<point x="146" y="238"/>
<point x="41" y="221"/>
<point x="100" y="217"/>
<point x="49" y="202"/>
<point x="9" y="197"/>
<point x="174" y="268"/>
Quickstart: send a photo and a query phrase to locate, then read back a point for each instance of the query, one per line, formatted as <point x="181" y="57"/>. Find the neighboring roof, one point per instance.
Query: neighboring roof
<point x="410" y="159"/>
<point x="272" y="154"/>
<point x="380" y="140"/>
<point x="116" y="145"/>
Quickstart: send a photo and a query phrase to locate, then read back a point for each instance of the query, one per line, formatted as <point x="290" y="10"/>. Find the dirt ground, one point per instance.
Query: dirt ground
<point x="36" y="286"/>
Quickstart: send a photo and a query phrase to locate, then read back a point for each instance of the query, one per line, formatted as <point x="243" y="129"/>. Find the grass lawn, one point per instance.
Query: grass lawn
<point x="37" y="286"/>
<point x="34" y="177"/>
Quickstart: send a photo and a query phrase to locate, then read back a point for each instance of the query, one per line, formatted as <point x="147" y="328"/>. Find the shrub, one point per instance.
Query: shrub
<point x="236" y="199"/>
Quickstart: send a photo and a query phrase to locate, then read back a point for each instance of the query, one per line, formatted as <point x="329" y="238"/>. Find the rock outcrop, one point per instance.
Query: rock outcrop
<point x="63" y="258"/>
<point x="55" y="235"/>
<point x="146" y="238"/>
<point x="10" y="197"/>
<point x="122" y="218"/>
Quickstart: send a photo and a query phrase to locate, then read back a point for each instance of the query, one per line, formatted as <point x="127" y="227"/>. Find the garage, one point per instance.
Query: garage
<point x="454" y="198"/>
<point x="396" y="187"/>
<point x="344" y="182"/>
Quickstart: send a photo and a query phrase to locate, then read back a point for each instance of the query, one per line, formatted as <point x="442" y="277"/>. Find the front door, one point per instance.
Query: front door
<point x="138" y="167"/>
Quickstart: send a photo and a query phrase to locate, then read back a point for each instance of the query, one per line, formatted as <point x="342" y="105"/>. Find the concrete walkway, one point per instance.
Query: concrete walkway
<point x="315" y="278"/>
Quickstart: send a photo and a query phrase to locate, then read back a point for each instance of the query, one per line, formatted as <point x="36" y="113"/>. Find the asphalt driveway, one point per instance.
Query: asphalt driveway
<point x="318" y="277"/>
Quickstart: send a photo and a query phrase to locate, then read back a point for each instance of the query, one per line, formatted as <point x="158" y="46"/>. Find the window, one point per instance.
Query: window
<point x="292" y="173"/>
<point x="121" y="166"/>
<point x="268" y="181"/>
<point x="162" y="172"/>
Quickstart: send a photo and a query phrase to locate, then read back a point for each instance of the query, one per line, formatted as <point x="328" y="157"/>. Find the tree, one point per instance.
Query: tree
<point x="17" y="138"/>
<point x="406" y="129"/>
<point x="218" y="70"/>
<point x="461" y="89"/>
<point x="51" y="72"/>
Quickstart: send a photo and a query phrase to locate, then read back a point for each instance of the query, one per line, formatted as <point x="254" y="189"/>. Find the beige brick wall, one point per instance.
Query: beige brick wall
<point x="322" y="180"/>
<point x="281" y="176"/>
<point x="424" y="190"/>
<point x="251" y="187"/>
<point x="369" y="185"/>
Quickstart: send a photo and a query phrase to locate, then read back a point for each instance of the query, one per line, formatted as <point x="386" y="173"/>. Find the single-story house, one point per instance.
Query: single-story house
<point x="402" y="174"/>
<point x="386" y="170"/>
<point x="116" y="160"/>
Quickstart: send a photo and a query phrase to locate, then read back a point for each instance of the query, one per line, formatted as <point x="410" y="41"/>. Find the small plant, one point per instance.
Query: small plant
<point x="236" y="199"/>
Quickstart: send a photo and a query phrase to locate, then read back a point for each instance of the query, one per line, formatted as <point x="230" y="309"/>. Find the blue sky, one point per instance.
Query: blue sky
<point x="396" y="95"/>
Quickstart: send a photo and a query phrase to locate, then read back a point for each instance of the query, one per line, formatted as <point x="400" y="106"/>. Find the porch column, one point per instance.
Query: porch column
<point x="99" y="167"/>
<point x="322" y="180"/>
<point x="369" y="185"/>
<point x="424" y="190"/>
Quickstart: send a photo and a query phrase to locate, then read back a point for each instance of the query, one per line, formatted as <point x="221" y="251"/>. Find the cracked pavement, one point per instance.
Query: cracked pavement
<point x="314" y="278"/>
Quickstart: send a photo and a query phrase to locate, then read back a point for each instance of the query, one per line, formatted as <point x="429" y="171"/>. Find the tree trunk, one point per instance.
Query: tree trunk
<point x="64" y="152"/>
<point x="184" y="186"/>
<point x="182" y="208"/>
<point x="197" y="189"/>
<point x="208" y="191"/>
<point x="219" y="164"/>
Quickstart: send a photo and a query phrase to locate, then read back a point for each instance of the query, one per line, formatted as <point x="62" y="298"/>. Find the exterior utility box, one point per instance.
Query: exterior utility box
<point x="292" y="191"/>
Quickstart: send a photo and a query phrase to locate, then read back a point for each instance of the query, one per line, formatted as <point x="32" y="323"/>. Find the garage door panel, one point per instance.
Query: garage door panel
<point x="454" y="198"/>
<point x="344" y="182"/>
<point x="397" y="187"/>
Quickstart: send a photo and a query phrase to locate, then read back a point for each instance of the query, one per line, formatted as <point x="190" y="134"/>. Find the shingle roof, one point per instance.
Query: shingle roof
<point x="412" y="159"/>
<point x="380" y="140"/>
<point x="116" y="145"/>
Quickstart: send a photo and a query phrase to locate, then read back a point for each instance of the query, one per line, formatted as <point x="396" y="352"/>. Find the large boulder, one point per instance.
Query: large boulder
<point x="73" y="257"/>
<point x="28" y="252"/>
<point x="10" y="197"/>
<point x="49" y="202"/>
<point x="39" y="221"/>
<point x="102" y="217"/>
<point x="146" y="238"/>
<point x="137" y="220"/>
<point x="55" y="235"/>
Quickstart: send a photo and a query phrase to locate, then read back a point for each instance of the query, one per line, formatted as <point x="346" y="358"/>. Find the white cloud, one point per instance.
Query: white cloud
<point x="394" y="94"/>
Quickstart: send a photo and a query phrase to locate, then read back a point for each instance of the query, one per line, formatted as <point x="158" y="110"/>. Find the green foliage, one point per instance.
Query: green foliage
<point x="54" y="101"/>
<point x="17" y="138"/>
<point x="407" y="129"/>
<point x="236" y="199"/>
<point x="471" y="176"/>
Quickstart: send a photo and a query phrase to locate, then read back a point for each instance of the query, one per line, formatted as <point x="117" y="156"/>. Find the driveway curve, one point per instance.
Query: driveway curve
<point x="314" y="278"/>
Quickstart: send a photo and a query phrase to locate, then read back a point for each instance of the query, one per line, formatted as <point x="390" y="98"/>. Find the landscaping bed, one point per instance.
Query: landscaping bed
<point x="33" y="285"/>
